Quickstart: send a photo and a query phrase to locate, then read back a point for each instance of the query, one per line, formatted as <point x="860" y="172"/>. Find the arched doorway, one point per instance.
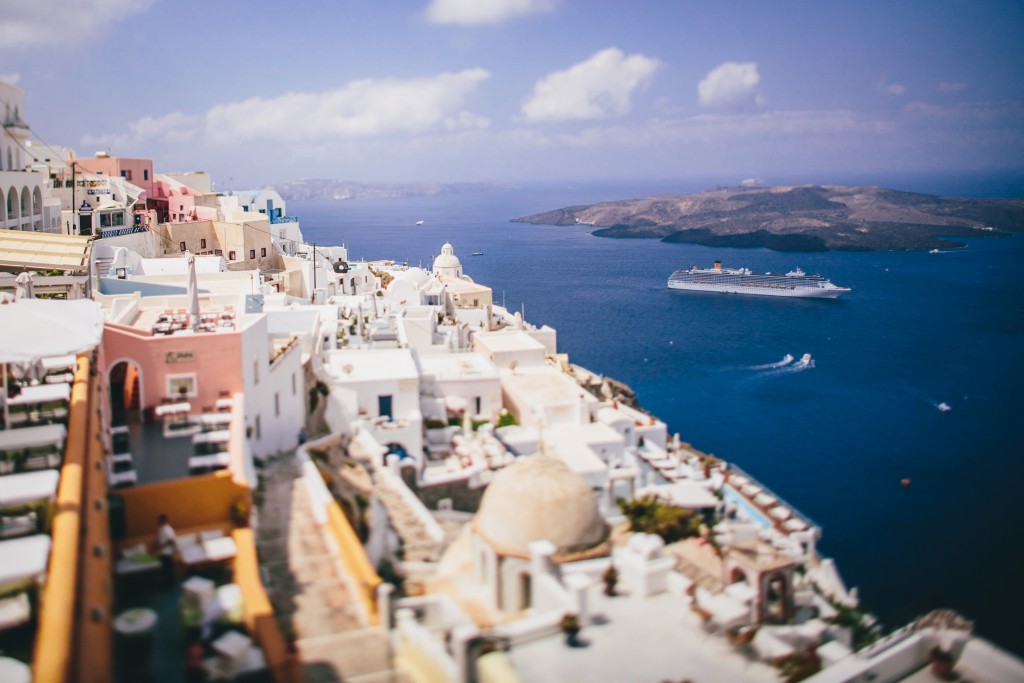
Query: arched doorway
<point x="776" y="599"/>
<point x="125" y="381"/>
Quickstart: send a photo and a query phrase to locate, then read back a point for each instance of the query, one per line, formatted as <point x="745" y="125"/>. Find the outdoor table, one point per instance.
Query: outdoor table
<point x="134" y="622"/>
<point x="219" y="436"/>
<point x="33" y="437"/>
<point x="28" y="487"/>
<point x="59" y="363"/>
<point x="224" y="404"/>
<point x="173" y="409"/>
<point x="207" y="462"/>
<point x="219" y="549"/>
<point x="214" y="421"/>
<point x="14" y="671"/>
<point x="22" y="561"/>
<point x="41" y="393"/>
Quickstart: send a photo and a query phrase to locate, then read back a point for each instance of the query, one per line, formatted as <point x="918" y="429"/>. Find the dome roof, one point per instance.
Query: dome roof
<point x="447" y="259"/>
<point x="539" y="498"/>
<point x="416" y="276"/>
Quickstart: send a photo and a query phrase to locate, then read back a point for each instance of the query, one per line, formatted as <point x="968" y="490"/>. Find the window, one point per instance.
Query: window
<point x="181" y="386"/>
<point x="256" y="370"/>
<point x="124" y="174"/>
<point x="293" y="384"/>
<point x="231" y="256"/>
<point x="181" y="207"/>
<point x="252" y="253"/>
<point x="384" y="406"/>
<point x="259" y="431"/>
<point x="181" y="245"/>
<point x="202" y="244"/>
<point x="263" y="251"/>
<point x="277" y="404"/>
<point x="218" y="252"/>
<point x="145" y="174"/>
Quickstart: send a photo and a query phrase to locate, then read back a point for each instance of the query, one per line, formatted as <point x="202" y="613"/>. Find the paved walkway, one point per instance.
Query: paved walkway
<point x="312" y="595"/>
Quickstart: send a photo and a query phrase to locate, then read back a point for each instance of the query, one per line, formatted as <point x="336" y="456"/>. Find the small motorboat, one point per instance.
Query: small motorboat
<point x="944" y="407"/>
<point x="805" y="361"/>
<point x="419" y="222"/>
<point x="477" y="253"/>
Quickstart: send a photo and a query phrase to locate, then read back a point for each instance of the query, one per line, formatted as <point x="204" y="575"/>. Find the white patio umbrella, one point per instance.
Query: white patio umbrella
<point x="23" y="286"/>
<point x="193" y="292"/>
<point x="42" y="327"/>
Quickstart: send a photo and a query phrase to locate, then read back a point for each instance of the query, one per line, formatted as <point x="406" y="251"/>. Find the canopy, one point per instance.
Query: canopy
<point x="37" y="328"/>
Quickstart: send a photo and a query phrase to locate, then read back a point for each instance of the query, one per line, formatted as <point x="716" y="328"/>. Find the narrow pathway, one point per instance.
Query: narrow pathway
<point x="313" y="597"/>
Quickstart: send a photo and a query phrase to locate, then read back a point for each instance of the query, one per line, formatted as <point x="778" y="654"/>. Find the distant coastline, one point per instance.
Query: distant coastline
<point x="803" y="218"/>
<point x="342" y="190"/>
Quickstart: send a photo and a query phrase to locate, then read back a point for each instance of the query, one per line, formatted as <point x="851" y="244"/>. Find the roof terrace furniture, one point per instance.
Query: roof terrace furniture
<point x="14" y="611"/>
<point x="173" y="409"/>
<point x="14" y="671"/>
<point x="23" y="562"/>
<point x="224" y="403"/>
<point x="28" y="487"/>
<point x="207" y="443"/>
<point x="27" y="445"/>
<point x="212" y="422"/>
<point x="201" y="464"/>
<point x="40" y="403"/>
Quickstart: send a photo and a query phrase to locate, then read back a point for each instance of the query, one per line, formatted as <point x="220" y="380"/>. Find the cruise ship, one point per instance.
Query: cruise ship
<point x="741" y="281"/>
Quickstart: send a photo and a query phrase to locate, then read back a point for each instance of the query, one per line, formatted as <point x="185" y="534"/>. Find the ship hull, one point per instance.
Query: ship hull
<point x="792" y="292"/>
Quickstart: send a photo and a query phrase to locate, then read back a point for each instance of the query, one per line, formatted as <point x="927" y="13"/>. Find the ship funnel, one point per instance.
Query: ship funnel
<point x="718" y="265"/>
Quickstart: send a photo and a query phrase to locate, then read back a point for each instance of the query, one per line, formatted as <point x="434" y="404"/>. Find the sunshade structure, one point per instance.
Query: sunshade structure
<point x="21" y="250"/>
<point x="193" y="292"/>
<point x="41" y="328"/>
<point x="24" y="288"/>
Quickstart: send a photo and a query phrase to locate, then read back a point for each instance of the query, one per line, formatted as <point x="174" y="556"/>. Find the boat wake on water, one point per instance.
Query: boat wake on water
<point x="785" y="366"/>
<point x="786" y="360"/>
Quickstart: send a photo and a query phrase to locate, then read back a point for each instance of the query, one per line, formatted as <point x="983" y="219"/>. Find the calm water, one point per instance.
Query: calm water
<point x="834" y="440"/>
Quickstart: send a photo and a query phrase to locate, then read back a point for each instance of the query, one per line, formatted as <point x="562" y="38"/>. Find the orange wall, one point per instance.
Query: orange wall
<point x="355" y="559"/>
<point x="215" y="361"/>
<point x="55" y="638"/>
<point x="204" y="500"/>
<point x="259" y="613"/>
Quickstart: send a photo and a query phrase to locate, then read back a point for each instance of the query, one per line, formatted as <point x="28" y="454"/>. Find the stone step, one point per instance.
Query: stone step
<point x="354" y="653"/>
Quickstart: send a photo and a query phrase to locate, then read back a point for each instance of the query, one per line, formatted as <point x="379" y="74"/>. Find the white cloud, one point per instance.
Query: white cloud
<point x="50" y="22"/>
<point x="596" y="88"/>
<point x="897" y="89"/>
<point x="360" y="109"/>
<point x="478" y="12"/>
<point x="10" y="79"/>
<point x="956" y="86"/>
<point x="732" y="85"/>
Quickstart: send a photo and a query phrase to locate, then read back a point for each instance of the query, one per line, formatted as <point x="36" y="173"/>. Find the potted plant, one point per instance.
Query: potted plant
<point x="570" y="626"/>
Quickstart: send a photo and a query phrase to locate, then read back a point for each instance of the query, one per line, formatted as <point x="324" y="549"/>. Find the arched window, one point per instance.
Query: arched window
<point x="25" y="201"/>
<point x="10" y="159"/>
<point x="12" y="203"/>
<point x="37" y="201"/>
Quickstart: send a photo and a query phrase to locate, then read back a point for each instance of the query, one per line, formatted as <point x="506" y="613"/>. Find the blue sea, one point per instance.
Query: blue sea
<point x="835" y="440"/>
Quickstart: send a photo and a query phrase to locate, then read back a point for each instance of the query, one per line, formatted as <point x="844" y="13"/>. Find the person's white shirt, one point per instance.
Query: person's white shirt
<point x="165" y="538"/>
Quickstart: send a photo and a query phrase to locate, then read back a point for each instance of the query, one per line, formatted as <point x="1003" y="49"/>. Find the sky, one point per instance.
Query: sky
<point x="261" y="92"/>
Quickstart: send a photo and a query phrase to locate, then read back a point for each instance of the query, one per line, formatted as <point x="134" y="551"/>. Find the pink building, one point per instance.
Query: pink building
<point x="138" y="172"/>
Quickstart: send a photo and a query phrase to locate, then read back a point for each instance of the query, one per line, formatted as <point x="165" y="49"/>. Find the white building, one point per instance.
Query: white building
<point x="461" y="383"/>
<point x="22" y="191"/>
<point x="377" y="390"/>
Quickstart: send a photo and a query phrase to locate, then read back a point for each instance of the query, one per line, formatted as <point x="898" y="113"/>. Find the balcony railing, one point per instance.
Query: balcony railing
<point x="283" y="219"/>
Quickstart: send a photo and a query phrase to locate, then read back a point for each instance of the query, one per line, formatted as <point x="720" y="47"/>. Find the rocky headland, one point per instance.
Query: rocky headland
<point x="798" y="218"/>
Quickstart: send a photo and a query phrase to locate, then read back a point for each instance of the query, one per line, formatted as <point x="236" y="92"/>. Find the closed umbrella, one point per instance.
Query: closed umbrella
<point x="23" y="286"/>
<point x="193" y="292"/>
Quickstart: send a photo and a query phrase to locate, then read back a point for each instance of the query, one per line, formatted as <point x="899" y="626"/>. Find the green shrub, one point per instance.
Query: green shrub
<point x="651" y="515"/>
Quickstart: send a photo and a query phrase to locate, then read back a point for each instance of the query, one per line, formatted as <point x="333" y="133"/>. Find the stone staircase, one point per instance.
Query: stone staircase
<point x="416" y="542"/>
<point x="313" y="597"/>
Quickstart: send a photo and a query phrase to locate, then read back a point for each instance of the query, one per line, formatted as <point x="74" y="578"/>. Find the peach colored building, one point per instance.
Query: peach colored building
<point x="138" y="172"/>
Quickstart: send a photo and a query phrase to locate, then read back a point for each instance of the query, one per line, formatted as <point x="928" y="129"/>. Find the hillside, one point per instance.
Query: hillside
<point x="800" y="218"/>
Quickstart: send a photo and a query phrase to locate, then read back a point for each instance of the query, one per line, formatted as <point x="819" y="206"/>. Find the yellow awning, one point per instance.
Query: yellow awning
<point x="20" y="250"/>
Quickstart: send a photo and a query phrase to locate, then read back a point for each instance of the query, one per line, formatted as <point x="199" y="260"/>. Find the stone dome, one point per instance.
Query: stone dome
<point x="539" y="498"/>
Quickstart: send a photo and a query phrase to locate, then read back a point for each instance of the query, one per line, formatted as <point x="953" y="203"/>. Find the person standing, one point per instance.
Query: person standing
<point x="165" y="538"/>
